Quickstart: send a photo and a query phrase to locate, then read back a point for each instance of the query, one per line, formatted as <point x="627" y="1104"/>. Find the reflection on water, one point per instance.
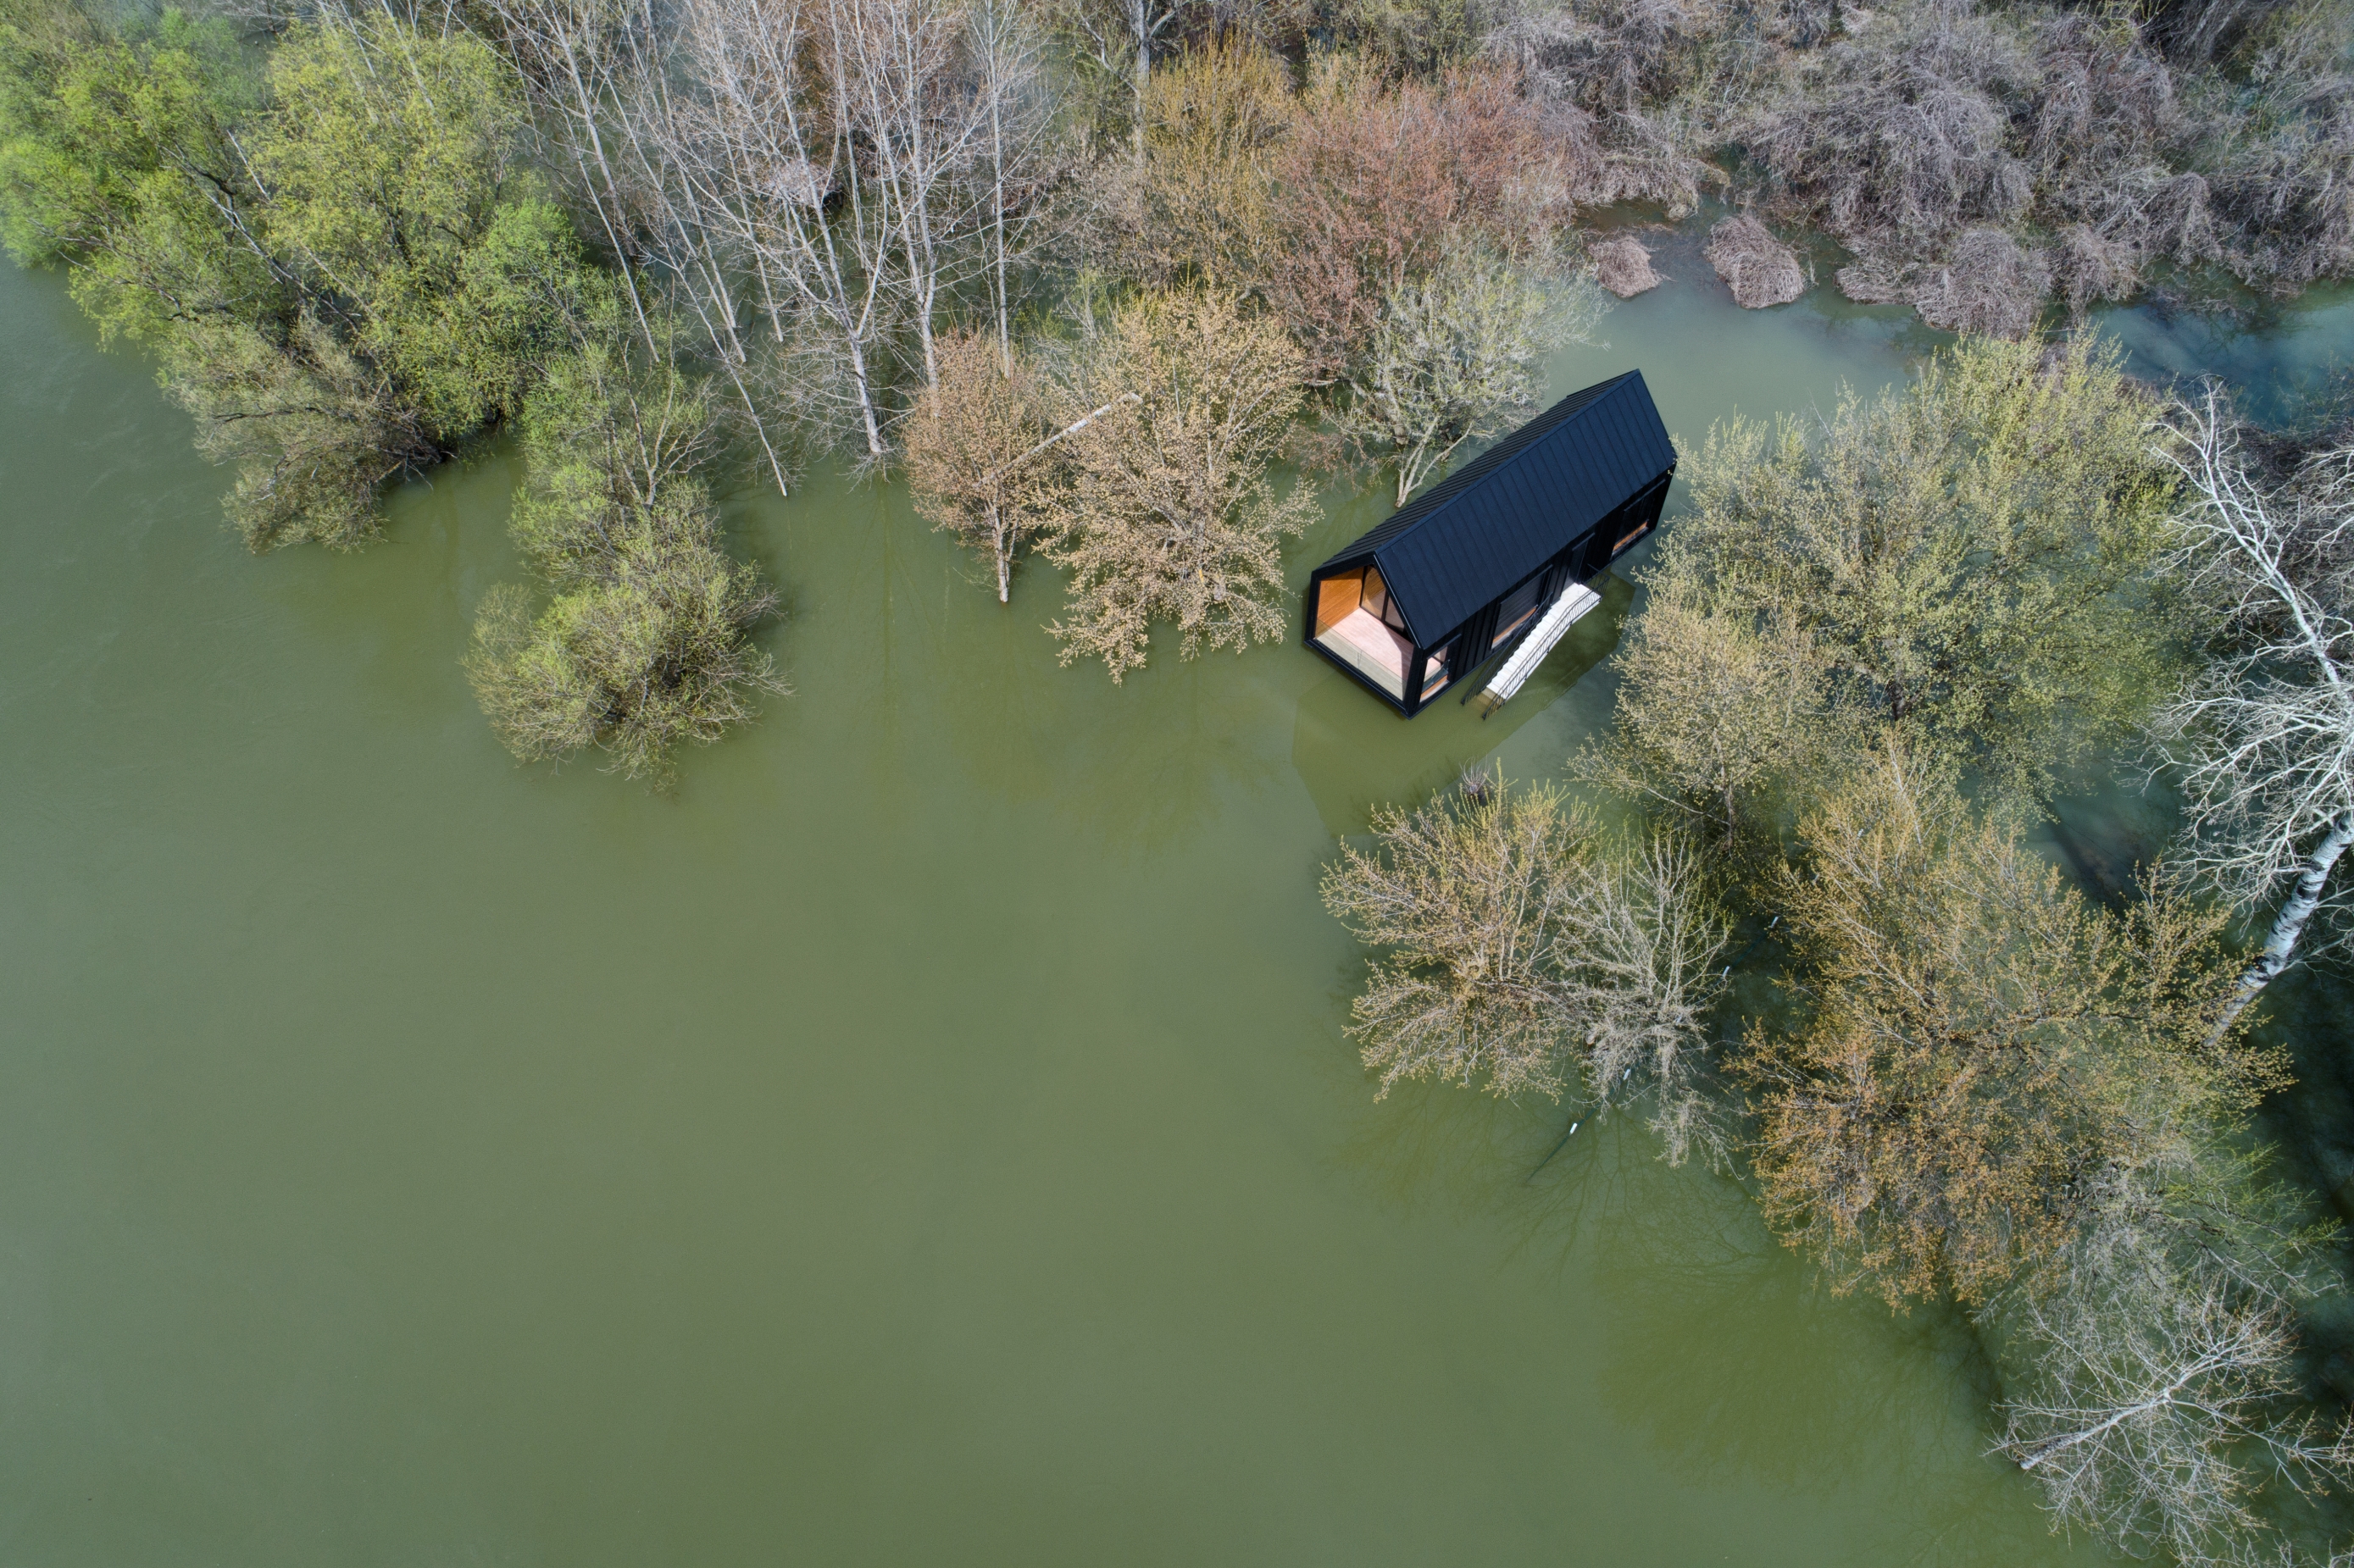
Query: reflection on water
<point x="1354" y="753"/>
<point x="2279" y="360"/>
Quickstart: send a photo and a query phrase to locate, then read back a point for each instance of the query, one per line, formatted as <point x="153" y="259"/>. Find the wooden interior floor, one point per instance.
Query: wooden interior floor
<point x="1378" y="650"/>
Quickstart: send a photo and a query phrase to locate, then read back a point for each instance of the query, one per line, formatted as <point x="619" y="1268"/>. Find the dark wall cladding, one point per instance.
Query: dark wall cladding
<point x="1451" y="552"/>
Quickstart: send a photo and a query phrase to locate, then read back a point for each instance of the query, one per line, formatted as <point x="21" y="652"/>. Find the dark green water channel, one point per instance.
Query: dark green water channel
<point x="926" y="1137"/>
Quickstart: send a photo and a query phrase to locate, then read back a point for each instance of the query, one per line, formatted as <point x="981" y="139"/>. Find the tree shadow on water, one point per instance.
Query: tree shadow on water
<point x="1723" y="1353"/>
<point x="1736" y="1362"/>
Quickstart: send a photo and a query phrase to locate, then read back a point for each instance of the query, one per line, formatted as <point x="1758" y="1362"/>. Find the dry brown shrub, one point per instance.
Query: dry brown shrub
<point x="1622" y="266"/>
<point x="1619" y="82"/>
<point x="1898" y="139"/>
<point x="1325" y="203"/>
<point x="2283" y="181"/>
<point x="1376" y="182"/>
<point x="1986" y="285"/>
<point x="1759" y="268"/>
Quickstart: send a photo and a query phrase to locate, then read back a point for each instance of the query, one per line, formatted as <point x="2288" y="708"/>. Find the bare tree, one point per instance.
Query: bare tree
<point x="920" y="117"/>
<point x="2263" y="740"/>
<point x="768" y="141"/>
<point x="1456" y="355"/>
<point x="2156" y="1414"/>
<point x="596" y="70"/>
<point x="1016" y="168"/>
<point x="1524" y="946"/>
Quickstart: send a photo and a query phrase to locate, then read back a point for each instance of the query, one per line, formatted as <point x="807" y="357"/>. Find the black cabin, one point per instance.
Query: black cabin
<point x="1458" y="572"/>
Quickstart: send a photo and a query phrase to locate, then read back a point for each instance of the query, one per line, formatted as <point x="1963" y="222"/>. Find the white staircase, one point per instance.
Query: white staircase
<point x="1575" y="601"/>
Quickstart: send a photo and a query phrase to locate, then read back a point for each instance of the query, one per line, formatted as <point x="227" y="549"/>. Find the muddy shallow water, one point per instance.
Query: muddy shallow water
<point x="926" y="1136"/>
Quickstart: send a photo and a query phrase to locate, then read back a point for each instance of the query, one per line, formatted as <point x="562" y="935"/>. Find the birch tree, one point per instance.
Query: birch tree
<point x="2263" y="740"/>
<point x="768" y="140"/>
<point x="1015" y="171"/>
<point x="1117" y="38"/>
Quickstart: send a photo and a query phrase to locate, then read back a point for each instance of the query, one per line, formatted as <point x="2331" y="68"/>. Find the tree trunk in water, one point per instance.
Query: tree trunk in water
<point x="1004" y="549"/>
<point x="865" y="398"/>
<point x="2303" y="900"/>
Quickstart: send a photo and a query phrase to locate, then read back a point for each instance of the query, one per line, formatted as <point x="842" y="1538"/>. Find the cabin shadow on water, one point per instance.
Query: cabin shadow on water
<point x="1498" y="559"/>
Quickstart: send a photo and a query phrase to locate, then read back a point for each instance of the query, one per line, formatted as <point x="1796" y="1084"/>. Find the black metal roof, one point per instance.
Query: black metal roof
<point x="1451" y="550"/>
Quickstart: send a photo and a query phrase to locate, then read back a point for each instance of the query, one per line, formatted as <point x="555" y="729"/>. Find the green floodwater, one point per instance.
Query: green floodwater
<point x="927" y="1137"/>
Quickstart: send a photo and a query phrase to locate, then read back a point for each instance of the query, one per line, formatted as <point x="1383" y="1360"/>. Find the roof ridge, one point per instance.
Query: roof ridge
<point x="1508" y="448"/>
<point x="1499" y="515"/>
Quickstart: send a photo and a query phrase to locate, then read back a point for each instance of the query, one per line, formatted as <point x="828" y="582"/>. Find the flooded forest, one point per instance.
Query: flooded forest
<point x="677" y="886"/>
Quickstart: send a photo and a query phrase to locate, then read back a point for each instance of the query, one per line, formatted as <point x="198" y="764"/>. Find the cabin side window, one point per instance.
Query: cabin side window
<point x="1437" y="672"/>
<point x="1516" y="607"/>
<point x="1357" y="622"/>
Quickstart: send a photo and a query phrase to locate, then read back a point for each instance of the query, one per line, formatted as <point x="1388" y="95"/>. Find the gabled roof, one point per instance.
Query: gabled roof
<point x="1449" y="551"/>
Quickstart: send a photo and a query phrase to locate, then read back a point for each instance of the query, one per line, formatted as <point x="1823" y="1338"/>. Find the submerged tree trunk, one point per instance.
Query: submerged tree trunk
<point x="2288" y="927"/>
<point x="1003" y="548"/>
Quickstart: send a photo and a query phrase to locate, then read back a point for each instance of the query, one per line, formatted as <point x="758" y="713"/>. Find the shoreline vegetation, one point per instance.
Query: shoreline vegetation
<point x="1874" y="653"/>
<point x="1085" y="272"/>
<point x="357" y="239"/>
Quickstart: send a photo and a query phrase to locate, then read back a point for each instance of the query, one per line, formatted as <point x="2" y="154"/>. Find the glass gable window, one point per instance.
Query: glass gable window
<point x="1356" y="622"/>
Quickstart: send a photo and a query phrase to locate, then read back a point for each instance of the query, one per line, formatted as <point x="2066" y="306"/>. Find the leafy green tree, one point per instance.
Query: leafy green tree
<point x="646" y="645"/>
<point x="396" y="183"/>
<point x="1726" y="712"/>
<point x="116" y="157"/>
<point x="1989" y="1059"/>
<point x="340" y="258"/>
<point x="1970" y="558"/>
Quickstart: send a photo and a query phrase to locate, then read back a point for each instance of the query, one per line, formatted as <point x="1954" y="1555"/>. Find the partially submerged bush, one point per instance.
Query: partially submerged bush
<point x="1759" y="268"/>
<point x="1622" y="266"/>
<point x="649" y="658"/>
<point x="1457" y="355"/>
<point x="1169" y="515"/>
<point x="1528" y="949"/>
<point x="1986" y="285"/>
<point x="975" y="443"/>
<point x="1969" y="557"/>
<point x="1983" y="1043"/>
<point x="646" y="645"/>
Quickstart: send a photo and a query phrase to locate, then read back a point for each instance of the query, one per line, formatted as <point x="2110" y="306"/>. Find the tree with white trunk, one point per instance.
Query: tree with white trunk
<point x="2263" y="741"/>
<point x="2157" y="1414"/>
